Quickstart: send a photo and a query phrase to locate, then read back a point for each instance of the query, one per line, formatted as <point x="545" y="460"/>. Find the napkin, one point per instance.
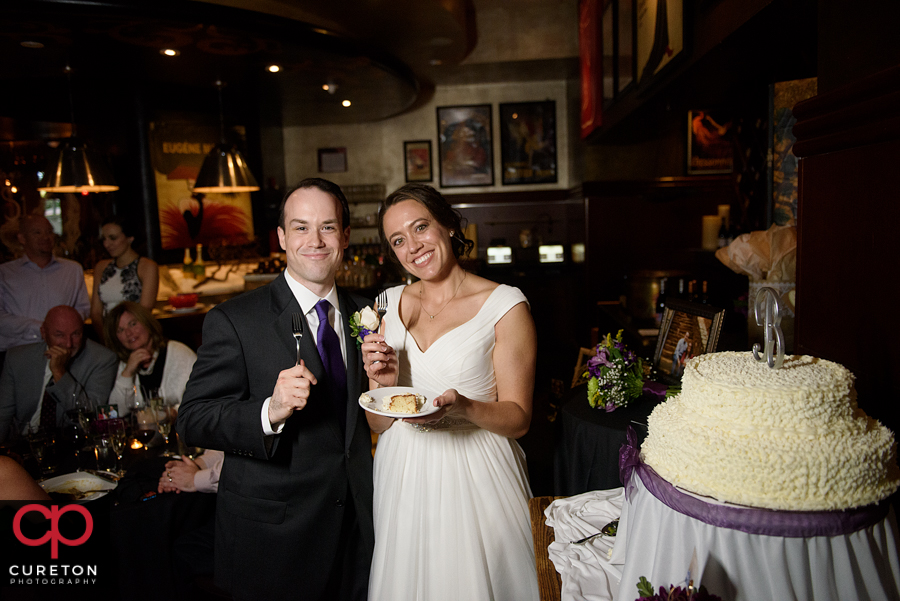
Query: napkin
<point x="769" y="255"/>
<point x="586" y="571"/>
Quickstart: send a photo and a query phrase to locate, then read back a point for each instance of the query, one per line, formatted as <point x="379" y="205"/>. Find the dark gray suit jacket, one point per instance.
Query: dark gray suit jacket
<point x="93" y="369"/>
<point x="281" y="499"/>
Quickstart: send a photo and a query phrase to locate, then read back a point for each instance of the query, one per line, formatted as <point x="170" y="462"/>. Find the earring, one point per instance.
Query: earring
<point x="452" y="233"/>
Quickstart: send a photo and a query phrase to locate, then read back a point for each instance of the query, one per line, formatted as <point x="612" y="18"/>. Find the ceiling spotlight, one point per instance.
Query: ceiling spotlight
<point x="274" y="68"/>
<point x="345" y="103"/>
<point x="31" y="44"/>
<point x="169" y="52"/>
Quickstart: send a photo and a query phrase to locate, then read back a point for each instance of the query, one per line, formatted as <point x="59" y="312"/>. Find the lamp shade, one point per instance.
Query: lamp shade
<point x="224" y="170"/>
<point x="74" y="168"/>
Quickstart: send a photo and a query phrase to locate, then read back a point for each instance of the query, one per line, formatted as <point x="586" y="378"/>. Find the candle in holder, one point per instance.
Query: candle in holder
<point x="711" y="225"/>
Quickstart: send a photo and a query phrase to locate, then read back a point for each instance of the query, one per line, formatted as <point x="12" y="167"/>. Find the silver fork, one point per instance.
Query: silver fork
<point x="297" y="327"/>
<point x="381" y="302"/>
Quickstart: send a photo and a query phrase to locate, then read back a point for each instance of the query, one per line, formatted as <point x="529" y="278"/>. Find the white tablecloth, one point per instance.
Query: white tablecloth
<point x="659" y="542"/>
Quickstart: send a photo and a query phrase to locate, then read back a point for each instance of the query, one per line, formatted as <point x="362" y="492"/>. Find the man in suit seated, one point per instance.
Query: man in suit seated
<point x="294" y="502"/>
<point x="40" y="381"/>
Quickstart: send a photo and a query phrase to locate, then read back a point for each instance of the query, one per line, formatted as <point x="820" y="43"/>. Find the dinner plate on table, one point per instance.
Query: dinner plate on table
<point x="81" y="482"/>
<point x="177" y="310"/>
<point x="379" y="393"/>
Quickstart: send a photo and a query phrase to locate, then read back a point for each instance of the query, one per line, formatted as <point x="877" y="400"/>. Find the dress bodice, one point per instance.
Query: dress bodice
<point x="461" y="358"/>
<point x="117" y="285"/>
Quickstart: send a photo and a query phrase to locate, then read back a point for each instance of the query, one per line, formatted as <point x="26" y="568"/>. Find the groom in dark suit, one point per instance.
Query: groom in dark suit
<point x="294" y="507"/>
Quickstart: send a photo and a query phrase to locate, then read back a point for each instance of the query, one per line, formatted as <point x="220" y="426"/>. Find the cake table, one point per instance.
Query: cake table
<point x="748" y="554"/>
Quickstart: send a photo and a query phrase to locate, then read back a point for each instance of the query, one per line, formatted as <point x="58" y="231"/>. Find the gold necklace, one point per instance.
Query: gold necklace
<point x="422" y="305"/>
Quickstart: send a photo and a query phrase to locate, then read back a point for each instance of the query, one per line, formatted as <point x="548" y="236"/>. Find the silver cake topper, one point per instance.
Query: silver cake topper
<point x="767" y="308"/>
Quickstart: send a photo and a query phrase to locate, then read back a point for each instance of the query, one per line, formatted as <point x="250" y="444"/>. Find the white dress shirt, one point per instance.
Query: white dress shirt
<point x="307" y="301"/>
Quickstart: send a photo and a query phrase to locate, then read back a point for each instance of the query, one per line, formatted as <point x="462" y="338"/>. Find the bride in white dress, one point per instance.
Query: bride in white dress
<point x="451" y="489"/>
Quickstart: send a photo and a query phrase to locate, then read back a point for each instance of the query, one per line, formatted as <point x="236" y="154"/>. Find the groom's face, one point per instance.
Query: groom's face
<point x="313" y="238"/>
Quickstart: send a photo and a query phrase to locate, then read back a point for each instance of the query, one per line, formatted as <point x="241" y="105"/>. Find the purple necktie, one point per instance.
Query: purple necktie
<point x="330" y="351"/>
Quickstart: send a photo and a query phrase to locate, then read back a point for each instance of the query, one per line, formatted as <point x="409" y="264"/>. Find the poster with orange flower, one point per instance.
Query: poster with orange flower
<point x="188" y="218"/>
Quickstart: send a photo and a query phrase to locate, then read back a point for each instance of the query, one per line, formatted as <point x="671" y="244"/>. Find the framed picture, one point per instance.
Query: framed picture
<point x="465" y="146"/>
<point x="659" y="29"/>
<point x="528" y="142"/>
<point x="687" y="329"/>
<point x="417" y="161"/>
<point x="710" y="142"/>
<point x="581" y="365"/>
<point x="332" y="160"/>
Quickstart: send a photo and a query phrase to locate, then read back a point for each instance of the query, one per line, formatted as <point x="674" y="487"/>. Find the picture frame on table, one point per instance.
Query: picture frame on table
<point x="417" y="161"/>
<point x="687" y="329"/>
<point x="465" y="146"/>
<point x="528" y="142"/>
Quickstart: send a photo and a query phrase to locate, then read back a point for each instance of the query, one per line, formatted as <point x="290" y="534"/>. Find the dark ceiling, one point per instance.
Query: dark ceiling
<point x="382" y="57"/>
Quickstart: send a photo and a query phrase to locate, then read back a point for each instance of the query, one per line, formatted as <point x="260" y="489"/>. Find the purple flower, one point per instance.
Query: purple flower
<point x="594" y="363"/>
<point x="610" y="407"/>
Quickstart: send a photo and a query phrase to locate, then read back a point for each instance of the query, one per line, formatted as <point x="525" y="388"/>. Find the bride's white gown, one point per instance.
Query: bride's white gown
<point x="451" y="504"/>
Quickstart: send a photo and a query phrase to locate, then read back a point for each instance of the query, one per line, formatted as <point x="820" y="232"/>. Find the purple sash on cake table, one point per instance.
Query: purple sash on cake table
<point x="752" y="520"/>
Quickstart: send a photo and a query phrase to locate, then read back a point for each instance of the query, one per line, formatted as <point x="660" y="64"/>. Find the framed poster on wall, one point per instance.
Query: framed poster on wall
<point x="528" y="142"/>
<point x="417" y="161"/>
<point x="465" y="146"/>
<point x="660" y="36"/>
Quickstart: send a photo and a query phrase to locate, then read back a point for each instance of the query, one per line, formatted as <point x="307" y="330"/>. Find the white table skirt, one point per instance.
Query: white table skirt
<point x="738" y="566"/>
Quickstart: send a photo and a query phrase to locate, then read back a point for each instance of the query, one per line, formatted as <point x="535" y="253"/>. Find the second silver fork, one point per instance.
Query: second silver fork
<point x="297" y="328"/>
<point x="381" y="304"/>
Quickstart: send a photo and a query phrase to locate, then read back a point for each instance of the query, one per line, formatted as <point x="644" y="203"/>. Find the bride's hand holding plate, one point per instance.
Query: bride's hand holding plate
<point x="450" y="403"/>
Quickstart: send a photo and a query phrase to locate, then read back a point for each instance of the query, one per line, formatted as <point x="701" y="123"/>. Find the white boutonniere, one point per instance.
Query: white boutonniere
<point x="363" y="323"/>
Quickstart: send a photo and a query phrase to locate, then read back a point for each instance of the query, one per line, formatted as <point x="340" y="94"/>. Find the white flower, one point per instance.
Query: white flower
<point x="368" y="319"/>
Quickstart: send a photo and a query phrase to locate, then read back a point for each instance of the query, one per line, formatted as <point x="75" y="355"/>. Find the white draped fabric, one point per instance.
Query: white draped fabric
<point x="451" y="504"/>
<point x="658" y="543"/>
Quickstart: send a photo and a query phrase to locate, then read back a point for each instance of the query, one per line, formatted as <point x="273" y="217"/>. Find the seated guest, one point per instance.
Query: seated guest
<point x="125" y="276"/>
<point x="41" y="381"/>
<point x="35" y="282"/>
<point x="185" y="475"/>
<point x="147" y="361"/>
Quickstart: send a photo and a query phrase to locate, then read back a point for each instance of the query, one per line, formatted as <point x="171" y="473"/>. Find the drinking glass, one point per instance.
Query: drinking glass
<point x="103" y="450"/>
<point x="145" y="419"/>
<point x="42" y="448"/>
<point x="119" y="438"/>
<point x="164" y="423"/>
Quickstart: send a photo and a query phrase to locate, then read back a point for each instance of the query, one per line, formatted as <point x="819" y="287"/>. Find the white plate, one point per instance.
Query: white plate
<point x="81" y="481"/>
<point x="197" y="307"/>
<point x="379" y="393"/>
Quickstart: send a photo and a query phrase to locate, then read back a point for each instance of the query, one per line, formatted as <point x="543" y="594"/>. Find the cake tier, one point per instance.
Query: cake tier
<point x="841" y="469"/>
<point x="807" y="396"/>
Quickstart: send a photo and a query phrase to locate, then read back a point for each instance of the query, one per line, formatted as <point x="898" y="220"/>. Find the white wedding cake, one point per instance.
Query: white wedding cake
<point x="789" y="439"/>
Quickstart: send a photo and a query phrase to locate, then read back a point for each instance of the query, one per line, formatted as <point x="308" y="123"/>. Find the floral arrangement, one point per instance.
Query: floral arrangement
<point x="675" y="593"/>
<point x="616" y="375"/>
<point x="363" y="323"/>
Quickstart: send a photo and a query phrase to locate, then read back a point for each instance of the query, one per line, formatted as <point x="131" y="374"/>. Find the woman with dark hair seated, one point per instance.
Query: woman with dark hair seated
<point x="147" y="361"/>
<point x="125" y="276"/>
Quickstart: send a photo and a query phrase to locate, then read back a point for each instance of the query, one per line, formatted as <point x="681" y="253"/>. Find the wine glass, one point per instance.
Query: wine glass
<point x="118" y="437"/>
<point x="41" y="446"/>
<point x="165" y="420"/>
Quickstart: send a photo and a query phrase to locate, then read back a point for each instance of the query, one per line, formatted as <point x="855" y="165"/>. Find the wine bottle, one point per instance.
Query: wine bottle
<point x="199" y="265"/>
<point x="723" y="235"/>
<point x="661" y="300"/>
<point x="704" y="296"/>
<point x="187" y="268"/>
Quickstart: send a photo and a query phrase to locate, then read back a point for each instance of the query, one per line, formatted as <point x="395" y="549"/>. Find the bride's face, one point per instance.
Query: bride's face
<point x="420" y="242"/>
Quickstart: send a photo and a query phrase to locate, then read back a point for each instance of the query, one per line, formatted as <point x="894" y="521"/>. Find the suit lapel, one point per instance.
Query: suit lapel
<point x="354" y="365"/>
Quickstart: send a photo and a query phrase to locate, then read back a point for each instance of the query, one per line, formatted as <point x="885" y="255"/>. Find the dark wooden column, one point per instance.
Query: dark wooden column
<point x="848" y="256"/>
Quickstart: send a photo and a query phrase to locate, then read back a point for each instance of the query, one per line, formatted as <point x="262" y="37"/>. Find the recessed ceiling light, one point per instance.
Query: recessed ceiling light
<point x="170" y="52"/>
<point x="274" y="68"/>
<point x="31" y="44"/>
<point x="435" y="62"/>
<point x="345" y="103"/>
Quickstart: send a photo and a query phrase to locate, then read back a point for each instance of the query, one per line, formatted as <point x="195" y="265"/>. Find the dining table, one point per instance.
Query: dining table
<point x="586" y="456"/>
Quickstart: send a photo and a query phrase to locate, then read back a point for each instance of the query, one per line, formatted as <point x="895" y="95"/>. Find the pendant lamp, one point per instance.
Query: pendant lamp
<point x="74" y="168"/>
<point x="224" y="170"/>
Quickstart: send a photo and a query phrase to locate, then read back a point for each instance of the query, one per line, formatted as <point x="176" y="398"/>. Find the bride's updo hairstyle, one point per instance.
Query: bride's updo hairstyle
<point x="439" y="208"/>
